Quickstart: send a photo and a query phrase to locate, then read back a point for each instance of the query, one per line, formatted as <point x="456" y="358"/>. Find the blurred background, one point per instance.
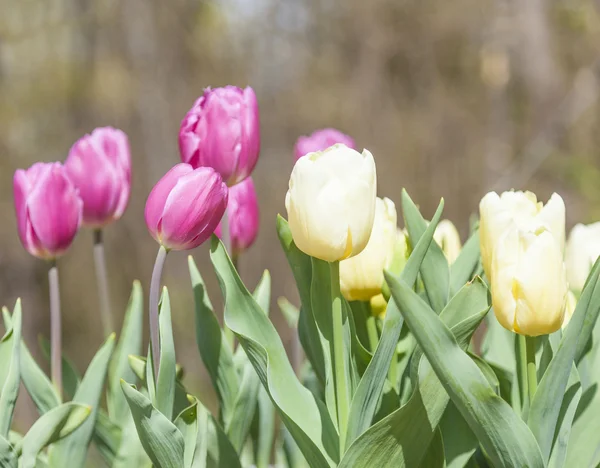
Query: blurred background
<point x="453" y="99"/>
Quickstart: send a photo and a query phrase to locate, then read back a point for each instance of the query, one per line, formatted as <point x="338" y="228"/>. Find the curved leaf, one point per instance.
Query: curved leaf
<point x="8" y="456"/>
<point x="10" y="376"/>
<point x="165" y="384"/>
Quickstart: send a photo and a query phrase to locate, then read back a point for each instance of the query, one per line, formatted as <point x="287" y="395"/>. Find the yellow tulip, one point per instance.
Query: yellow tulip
<point x="583" y="248"/>
<point x="529" y="284"/>
<point x="378" y="306"/>
<point x="448" y="239"/>
<point x="517" y="210"/>
<point x="361" y="277"/>
<point x="331" y="202"/>
<point x="569" y="308"/>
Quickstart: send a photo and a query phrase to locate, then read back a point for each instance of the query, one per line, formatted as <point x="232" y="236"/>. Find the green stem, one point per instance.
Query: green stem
<point x="531" y="371"/>
<point x="339" y="363"/>
<point x="153" y="307"/>
<point x="55" y="329"/>
<point x="102" y="282"/>
<point x="372" y="333"/>
<point x="522" y="369"/>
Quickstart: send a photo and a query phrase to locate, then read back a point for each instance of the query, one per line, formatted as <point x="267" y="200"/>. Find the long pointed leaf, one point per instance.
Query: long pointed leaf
<point x="165" y="384"/>
<point x="10" y="350"/>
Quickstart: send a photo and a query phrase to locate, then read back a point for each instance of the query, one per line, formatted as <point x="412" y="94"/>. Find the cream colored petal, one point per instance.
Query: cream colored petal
<point x="582" y="250"/>
<point x="447" y="237"/>
<point x="503" y="270"/>
<point x="570" y="305"/>
<point x="552" y="215"/>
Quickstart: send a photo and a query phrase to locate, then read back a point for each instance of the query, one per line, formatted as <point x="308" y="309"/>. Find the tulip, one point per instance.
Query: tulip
<point x="361" y="276"/>
<point x="222" y="131"/>
<point x="331" y="202"/>
<point x="583" y="248"/>
<point x="529" y="284"/>
<point x="99" y="165"/>
<point x="48" y="209"/>
<point x="321" y="140"/>
<point x="520" y="210"/>
<point x="569" y="308"/>
<point x="378" y="305"/>
<point x="242" y="213"/>
<point x="185" y="207"/>
<point x="448" y="239"/>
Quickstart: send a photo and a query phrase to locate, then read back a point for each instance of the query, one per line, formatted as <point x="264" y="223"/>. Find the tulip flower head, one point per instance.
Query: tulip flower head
<point x="529" y="284"/>
<point x="583" y="248"/>
<point x="570" y="306"/>
<point x="446" y="236"/>
<point x="521" y="210"/>
<point x="242" y="213"/>
<point x="331" y="202"/>
<point x="378" y="306"/>
<point x="222" y="131"/>
<point x="99" y="165"/>
<point x="321" y="140"/>
<point x="361" y="276"/>
<point x="48" y="209"/>
<point x="185" y="206"/>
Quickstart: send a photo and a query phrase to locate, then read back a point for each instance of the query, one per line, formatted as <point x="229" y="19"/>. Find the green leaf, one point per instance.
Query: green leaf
<point x="161" y="440"/>
<point x="434" y="269"/>
<point x="434" y="457"/>
<point x="289" y="311"/>
<point x="72" y="451"/>
<point x="368" y="393"/>
<point x="138" y="366"/>
<point x="243" y="411"/>
<point x="406" y="434"/>
<point x="503" y="435"/>
<point x="165" y="384"/>
<point x="54" y="425"/>
<point x="545" y="408"/>
<point x="304" y="416"/>
<point x="459" y="441"/>
<point x="212" y="345"/>
<point x="130" y="342"/>
<point x="266" y="429"/>
<point x="10" y="371"/>
<point x="130" y="452"/>
<point x="36" y="382"/>
<point x="107" y="436"/>
<point x="70" y="376"/>
<point x="464" y="267"/>
<point x="8" y="456"/>
<point x="301" y="266"/>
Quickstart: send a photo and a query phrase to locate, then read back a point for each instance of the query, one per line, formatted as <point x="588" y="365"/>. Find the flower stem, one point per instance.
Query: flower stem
<point x="340" y="374"/>
<point x="372" y="332"/>
<point x="153" y="304"/>
<point x="522" y="369"/>
<point x="531" y="371"/>
<point x="102" y="283"/>
<point x="55" y="329"/>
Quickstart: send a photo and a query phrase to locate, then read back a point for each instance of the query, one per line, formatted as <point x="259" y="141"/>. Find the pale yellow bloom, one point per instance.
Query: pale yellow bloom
<point x="361" y="277"/>
<point x="447" y="237"/>
<point x="583" y="248"/>
<point x="378" y="305"/>
<point x="331" y="202"/>
<point x="570" y="305"/>
<point x="529" y="283"/>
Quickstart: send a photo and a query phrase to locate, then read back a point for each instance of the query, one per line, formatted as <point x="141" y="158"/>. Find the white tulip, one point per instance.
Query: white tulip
<point x="331" y="202"/>
<point x="361" y="277"/>
<point x="447" y="237"/>
<point x="583" y="248"/>
<point x="569" y="309"/>
<point x="529" y="284"/>
<point x="517" y="210"/>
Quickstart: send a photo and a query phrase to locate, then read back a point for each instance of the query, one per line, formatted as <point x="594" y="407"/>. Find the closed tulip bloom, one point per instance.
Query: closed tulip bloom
<point x="222" y="131"/>
<point x="48" y="209"/>
<point x="242" y="213"/>
<point x="99" y="165"/>
<point x="583" y="248"/>
<point x="521" y="210"/>
<point x="321" y="140"/>
<point x="570" y="305"/>
<point x="185" y="206"/>
<point x="529" y="283"/>
<point x="448" y="239"/>
<point x="331" y="202"/>
<point x="361" y="277"/>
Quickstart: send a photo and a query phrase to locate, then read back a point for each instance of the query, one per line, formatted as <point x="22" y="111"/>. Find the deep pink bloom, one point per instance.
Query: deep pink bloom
<point x="321" y="140"/>
<point x="242" y="214"/>
<point x="185" y="206"/>
<point x="48" y="209"/>
<point x="222" y="131"/>
<point x="100" y="167"/>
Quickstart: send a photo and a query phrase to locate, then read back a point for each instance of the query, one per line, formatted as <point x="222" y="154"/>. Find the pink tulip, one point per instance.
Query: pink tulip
<point x="48" y="208"/>
<point x="100" y="167"/>
<point x="185" y="206"/>
<point x="242" y="213"/>
<point x="222" y="131"/>
<point x="321" y="140"/>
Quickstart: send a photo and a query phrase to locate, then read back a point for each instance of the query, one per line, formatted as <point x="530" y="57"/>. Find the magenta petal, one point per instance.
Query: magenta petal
<point x="243" y="215"/>
<point x="321" y="140"/>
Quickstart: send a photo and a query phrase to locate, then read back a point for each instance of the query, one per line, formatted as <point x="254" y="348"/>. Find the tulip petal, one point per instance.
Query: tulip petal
<point x="552" y="215"/>
<point x="504" y="266"/>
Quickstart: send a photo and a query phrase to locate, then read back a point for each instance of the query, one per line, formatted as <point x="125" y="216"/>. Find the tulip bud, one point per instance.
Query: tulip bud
<point x="448" y="239"/>
<point x="48" y="209"/>
<point x="222" y="131"/>
<point x="185" y="206"/>
<point x="529" y="284"/>
<point x="321" y="140"/>
<point x="100" y="167"/>
<point x="583" y="248"/>
<point x="242" y="214"/>
<point x="361" y="277"/>
<point x="517" y="210"/>
<point x="569" y="308"/>
<point x="331" y="202"/>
